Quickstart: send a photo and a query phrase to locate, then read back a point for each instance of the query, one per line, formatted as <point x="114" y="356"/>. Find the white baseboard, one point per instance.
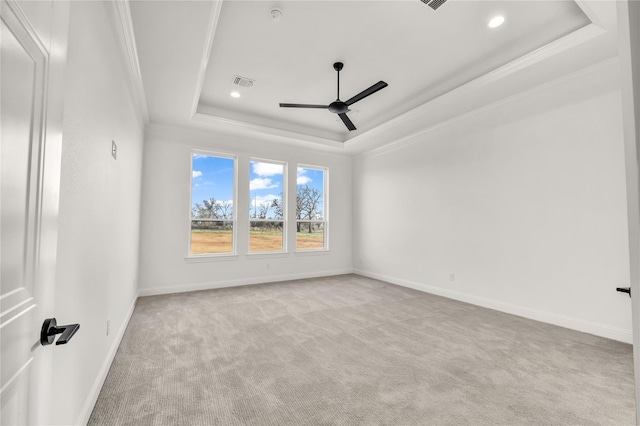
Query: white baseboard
<point x="92" y="397"/>
<point x="153" y="291"/>
<point x="584" y="326"/>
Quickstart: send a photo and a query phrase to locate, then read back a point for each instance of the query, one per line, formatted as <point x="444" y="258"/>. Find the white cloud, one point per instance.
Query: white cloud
<point x="197" y="173"/>
<point x="261" y="183"/>
<point x="302" y="179"/>
<point x="197" y="156"/>
<point x="267" y="169"/>
<point x="268" y="199"/>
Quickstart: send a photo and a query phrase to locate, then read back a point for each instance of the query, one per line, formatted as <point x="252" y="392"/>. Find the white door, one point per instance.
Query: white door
<point x="629" y="51"/>
<point x="32" y="58"/>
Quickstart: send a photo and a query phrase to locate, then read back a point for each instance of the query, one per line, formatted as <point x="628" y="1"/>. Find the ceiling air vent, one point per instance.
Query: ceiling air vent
<point x="243" y="81"/>
<point x="433" y="4"/>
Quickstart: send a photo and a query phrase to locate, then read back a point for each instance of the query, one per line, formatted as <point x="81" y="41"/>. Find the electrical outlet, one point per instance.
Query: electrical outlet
<point x="108" y="326"/>
<point x="268" y="266"/>
<point x="452" y="277"/>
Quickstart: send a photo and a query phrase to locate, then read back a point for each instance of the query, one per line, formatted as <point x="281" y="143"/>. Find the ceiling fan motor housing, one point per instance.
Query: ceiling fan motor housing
<point x="338" y="107"/>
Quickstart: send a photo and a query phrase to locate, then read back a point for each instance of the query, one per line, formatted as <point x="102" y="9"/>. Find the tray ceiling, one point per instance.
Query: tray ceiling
<point x="419" y="52"/>
<point x="438" y="64"/>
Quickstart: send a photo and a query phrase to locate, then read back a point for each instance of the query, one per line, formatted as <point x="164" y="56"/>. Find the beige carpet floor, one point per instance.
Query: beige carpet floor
<point x="350" y="350"/>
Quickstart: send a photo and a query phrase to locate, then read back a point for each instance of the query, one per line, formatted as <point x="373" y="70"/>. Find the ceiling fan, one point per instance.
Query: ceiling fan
<point x="339" y="107"/>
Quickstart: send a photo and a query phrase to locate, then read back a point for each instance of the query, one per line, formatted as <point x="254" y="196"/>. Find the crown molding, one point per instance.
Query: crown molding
<point x="14" y="6"/>
<point x="128" y="41"/>
<point x="263" y="131"/>
<point x="573" y="39"/>
<point x="587" y="10"/>
<point x="413" y="138"/>
<point x="203" y="138"/>
<point x="560" y="45"/>
<point x="211" y="32"/>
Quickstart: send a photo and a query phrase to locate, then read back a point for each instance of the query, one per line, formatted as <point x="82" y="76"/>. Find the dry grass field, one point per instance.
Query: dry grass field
<point x="206" y="241"/>
<point x="306" y="241"/>
<point x="265" y="241"/>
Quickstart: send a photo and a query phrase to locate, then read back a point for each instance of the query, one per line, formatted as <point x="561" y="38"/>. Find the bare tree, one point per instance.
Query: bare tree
<point x="308" y="207"/>
<point x="224" y="209"/>
<point x="277" y="206"/>
<point x="206" y="210"/>
<point x="263" y="210"/>
<point x="212" y="209"/>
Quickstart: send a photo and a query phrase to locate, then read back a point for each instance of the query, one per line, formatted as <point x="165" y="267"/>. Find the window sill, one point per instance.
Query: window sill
<point x="211" y="258"/>
<point x="312" y="253"/>
<point x="254" y="256"/>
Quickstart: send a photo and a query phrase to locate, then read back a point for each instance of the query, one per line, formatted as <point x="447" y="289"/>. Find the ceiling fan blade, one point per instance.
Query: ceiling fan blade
<point x="346" y="121"/>
<point x="370" y="91"/>
<point x="303" y="106"/>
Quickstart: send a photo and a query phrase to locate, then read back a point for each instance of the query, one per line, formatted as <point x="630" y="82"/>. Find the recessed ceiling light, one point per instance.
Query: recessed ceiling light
<point x="235" y="94"/>
<point x="496" y="21"/>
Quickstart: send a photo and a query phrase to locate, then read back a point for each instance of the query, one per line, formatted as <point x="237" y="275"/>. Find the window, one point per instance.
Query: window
<point x="212" y="204"/>
<point x="311" y="207"/>
<point x="266" y="206"/>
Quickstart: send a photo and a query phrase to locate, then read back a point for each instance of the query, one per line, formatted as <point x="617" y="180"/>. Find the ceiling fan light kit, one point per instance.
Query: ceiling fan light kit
<point x="339" y="107"/>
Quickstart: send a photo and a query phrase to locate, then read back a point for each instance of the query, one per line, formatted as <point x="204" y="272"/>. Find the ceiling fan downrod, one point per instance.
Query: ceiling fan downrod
<point x="338" y="107"/>
<point x="338" y="67"/>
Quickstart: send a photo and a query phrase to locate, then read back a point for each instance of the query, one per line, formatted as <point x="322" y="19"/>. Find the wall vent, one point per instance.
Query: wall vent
<point x="243" y="81"/>
<point x="433" y="4"/>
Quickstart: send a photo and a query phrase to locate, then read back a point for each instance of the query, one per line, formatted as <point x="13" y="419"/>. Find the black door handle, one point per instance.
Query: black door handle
<point x="624" y="290"/>
<point x="50" y="329"/>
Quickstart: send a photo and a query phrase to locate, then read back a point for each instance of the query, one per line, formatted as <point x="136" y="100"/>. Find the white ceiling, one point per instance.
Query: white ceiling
<point x="437" y="63"/>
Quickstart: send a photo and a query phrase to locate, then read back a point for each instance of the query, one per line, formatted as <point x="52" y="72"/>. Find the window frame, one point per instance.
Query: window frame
<point x="234" y="217"/>
<point x="325" y="204"/>
<point x="285" y="169"/>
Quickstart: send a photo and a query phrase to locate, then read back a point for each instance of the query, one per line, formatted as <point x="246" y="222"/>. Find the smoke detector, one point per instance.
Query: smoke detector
<point x="276" y="14"/>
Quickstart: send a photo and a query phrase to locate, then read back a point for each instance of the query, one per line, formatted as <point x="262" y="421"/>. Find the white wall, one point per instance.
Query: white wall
<point x="99" y="209"/>
<point x="165" y="215"/>
<point x="524" y="202"/>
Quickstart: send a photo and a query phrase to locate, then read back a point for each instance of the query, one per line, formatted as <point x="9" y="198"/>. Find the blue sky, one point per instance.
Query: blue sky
<point x="213" y="177"/>
<point x="265" y="184"/>
<point x="313" y="178"/>
<point x="265" y="181"/>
